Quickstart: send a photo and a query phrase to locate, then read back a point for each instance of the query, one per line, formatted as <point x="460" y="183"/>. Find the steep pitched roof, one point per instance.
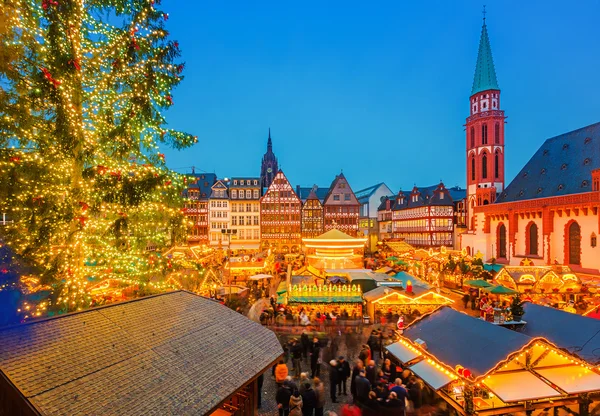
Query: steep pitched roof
<point x="485" y="73"/>
<point x="203" y="183"/>
<point x="336" y="185"/>
<point x="562" y="166"/>
<point x="428" y="195"/>
<point x="304" y="192"/>
<point x="114" y="360"/>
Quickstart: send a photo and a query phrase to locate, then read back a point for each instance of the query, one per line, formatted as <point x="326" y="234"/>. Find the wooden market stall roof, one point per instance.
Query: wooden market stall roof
<point x="578" y="334"/>
<point x="308" y="270"/>
<point x="399" y="247"/>
<point x="113" y="360"/>
<point x="515" y="367"/>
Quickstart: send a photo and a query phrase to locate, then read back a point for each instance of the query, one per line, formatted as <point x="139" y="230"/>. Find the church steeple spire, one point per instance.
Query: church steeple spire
<point x="269" y="142"/>
<point x="485" y="73"/>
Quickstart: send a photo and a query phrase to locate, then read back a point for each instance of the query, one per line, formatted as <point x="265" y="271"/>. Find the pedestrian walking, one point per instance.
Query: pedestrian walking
<point x="315" y="358"/>
<point x="363" y="387"/>
<point x="296" y="352"/>
<point x="309" y="400"/>
<point x="281" y="372"/>
<point x="283" y="400"/>
<point x="371" y="372"/>
<point x="320" y="393"/>
<point x="465" y="300"/>
<point x="343" y="374"/>
<point x="358" y="366"/>
<point x="296" y="404"/>
<point x="333" y="380"/>
<point x="305" y="342"/>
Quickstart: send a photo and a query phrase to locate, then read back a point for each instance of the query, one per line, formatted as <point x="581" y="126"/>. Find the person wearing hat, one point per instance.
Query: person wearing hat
<point x="343" y="369"/>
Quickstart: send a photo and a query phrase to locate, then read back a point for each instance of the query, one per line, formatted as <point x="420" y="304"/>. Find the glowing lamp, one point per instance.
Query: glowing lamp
<point x="408" y="286"/>
<point x="466" y="373"/>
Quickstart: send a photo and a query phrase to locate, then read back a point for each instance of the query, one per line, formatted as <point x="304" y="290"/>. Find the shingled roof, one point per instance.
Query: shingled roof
<point x="175" y="353"/>
<point x="562" y="166"/>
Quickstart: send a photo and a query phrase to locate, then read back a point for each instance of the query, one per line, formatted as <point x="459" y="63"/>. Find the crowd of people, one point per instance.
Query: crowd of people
<point x="376" y="385"/>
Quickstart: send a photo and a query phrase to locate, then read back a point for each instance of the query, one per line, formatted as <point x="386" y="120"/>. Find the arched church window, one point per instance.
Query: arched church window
<point x="496" y="165"/>
<point x="497" y="133"/>
<point x="472" y="168"/>
<point x="593" y="240"/>
<point x="484" y="131"/>
<point x="533" y="239"/>
<point x="484" y="166"/>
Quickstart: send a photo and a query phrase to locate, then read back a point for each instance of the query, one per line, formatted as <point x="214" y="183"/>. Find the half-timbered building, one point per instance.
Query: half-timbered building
<point x="341" y="208"/>
<point x="280" y="222"/>
<point x="196" y="197"/>
<point x="312" y="215"/>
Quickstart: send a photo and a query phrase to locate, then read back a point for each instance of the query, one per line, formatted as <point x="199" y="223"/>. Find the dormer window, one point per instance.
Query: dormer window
<point x="235" y="181"/>
<point x="441" y="195"/>
<point x="242" y="182"/>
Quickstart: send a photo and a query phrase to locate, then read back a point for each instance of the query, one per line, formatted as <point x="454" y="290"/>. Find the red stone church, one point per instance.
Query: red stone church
<point x="549" y="212"/>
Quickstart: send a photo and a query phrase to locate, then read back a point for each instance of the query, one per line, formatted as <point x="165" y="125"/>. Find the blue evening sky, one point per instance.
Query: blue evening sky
<point x="377" y="89"/>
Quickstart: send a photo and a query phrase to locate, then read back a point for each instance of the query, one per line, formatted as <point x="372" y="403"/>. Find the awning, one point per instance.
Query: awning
<point x="402" y="352"/>
<point x="519" y="386"/>
<point x="430" y="374"/>
<point x="573" y="379"/>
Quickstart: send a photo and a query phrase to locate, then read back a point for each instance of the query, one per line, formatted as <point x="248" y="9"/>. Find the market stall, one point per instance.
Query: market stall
<point x="335" y="249"/>
<point x="477" y="367"/>
<point x="337" y="299"/>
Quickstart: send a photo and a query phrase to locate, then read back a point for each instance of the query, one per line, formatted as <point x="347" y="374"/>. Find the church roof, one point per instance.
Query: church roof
<point x="562" y="166"/>
<point x="485" y="73"/>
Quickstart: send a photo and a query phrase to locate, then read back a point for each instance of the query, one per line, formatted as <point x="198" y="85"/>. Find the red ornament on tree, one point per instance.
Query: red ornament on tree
<point x="49" y="77"/>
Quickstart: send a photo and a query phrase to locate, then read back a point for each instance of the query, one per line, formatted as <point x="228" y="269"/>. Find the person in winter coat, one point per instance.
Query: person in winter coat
<point x="371" y="372"/>
<point x="343" y="374"/>
<point x="296" y="404"/>
<point x="315" y="357"/>
<point x="393" y="406"/>
<point x="333" y="380"/>
<point x="414" y="392"/>
<point x="302" y="382"/>
<point x="309" y="400"/>
<point x="283" y="400"/>
<point x="372" y="407"/>
<point x="320" y="393"/>
<point x="358" y="366"/>
<point x="296" y="351"/>
<point x="389" y="370"/>
<point x="281" y="372"/>
<point x="363" y="387"/>
<point x="305" y="342"/>
<point x="365" y="355"/>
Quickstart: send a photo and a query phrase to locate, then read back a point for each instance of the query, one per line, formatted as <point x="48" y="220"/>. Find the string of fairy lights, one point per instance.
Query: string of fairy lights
<point x="86" y="185"/>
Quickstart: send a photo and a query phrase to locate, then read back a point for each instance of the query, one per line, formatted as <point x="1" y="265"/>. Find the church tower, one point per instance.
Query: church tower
<point x="268" y="168"/>
<point x="485" y="132"/>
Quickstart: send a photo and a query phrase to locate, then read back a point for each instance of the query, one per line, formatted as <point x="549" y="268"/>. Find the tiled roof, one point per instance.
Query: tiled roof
<point x="175" y="353"/>
<point x="203" y="182"/>
<point x="384" y="199"/>
<point x="428" y="195"/>
<point x="364" y="194"/>
<point x="562" y="166"/>
<point x="304" y="192"/>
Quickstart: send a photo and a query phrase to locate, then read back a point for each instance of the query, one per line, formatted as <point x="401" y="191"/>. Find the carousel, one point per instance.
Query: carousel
<point x="335" y="250"/>
<point x="323" y="298"/>
<point x="484" y="369"/>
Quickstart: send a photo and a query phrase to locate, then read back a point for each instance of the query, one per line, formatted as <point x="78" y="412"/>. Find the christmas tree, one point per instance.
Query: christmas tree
<point x="82" y="93"/>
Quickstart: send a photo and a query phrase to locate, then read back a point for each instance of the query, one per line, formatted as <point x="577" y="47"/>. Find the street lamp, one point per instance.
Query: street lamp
<point x="228" y="232"/>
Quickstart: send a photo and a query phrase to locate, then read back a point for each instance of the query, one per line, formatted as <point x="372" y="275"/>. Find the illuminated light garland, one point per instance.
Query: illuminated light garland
<point x="80" y="132"/>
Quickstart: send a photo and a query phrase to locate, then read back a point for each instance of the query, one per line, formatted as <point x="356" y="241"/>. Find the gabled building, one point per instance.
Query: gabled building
<point x="196" y="197"/>
<point x="370" y="199"/>
<point x="341" y="208"/>
<point x="424" y="217"/>
<point x="312" y="216"/>
<point x="280" y="221"/>
<point x="384" y="218"/>
<point x="269" y="166"/>
<point x="244" y="195"/>
<point x="219" y="213"/>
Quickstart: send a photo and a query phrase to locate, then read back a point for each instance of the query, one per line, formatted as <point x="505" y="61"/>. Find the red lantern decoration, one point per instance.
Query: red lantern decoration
<point x="466" y="373"/>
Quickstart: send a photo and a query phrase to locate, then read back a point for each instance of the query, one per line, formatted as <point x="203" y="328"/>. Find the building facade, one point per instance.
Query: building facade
<point x="280" y="217"/>
<point x="244" y="200"/>
<point x="370" y="199"/>
<point x="195" y="209"/>
<point x="424" y="217"/>
<point x="269" y="166"/>
<point x="219" y="217"/>
<point x="384" y="218"/>
<point x="549" y="212"/>
<point x="312" y="215"/>
<point x="485" y="132"/>
<point x="341" y="208"/>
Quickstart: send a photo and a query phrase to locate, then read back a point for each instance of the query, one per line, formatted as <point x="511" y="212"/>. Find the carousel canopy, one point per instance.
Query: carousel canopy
<point x="578" y="334"/>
